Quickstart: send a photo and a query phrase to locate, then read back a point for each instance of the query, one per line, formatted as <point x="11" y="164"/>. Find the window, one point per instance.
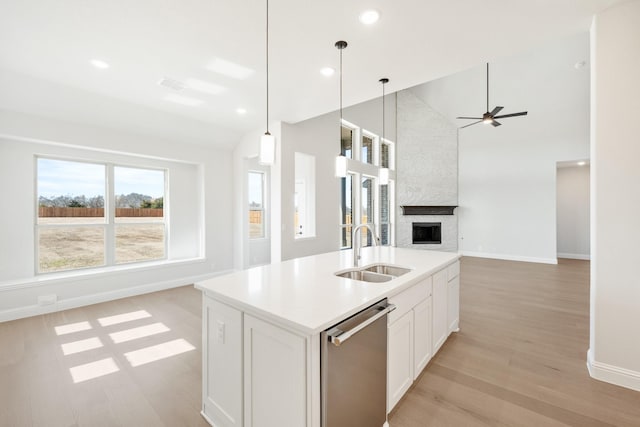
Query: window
<point x="139" y="214"/>
<point x="256" y="205"/>
<point x="346" y="141"/>
<point x="346" y="211"/>
<point x="82" y="225"/>
<point x="362" y="199"/>
<point x="367" y="208"/>
<point x="366" y="155"/>
<point x="385" y="155"/>
<point x="386" y="213"/>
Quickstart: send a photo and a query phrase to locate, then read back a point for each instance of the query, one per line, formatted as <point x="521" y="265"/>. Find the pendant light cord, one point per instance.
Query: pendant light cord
<point x="384" y="81"/>
<point x="267" y="55"/>
<point x="487" y="87"/>
<point x="340" y="93"/>
<point x="341" y="44"/>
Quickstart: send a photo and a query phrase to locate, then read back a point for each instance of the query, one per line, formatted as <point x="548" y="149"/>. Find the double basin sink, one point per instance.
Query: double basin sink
<point x="375" y="273"/>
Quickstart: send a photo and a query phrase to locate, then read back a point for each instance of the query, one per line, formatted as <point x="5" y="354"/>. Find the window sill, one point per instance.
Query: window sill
<point x="65" y="276"/>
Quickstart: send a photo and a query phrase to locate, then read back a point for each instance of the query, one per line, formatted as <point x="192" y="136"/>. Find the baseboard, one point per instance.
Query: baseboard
<point x="509" y="257"/>
<point x="66" y="304"/>
<point x="585" y="257"/>
<point x="612" y="374"/>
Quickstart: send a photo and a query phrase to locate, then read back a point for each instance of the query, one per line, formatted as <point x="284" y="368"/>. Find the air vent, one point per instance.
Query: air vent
<point x="174" y="84"/>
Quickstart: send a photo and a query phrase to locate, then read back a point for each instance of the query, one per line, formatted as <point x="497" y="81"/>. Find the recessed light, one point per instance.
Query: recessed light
<point x="202" y="86"/>
<point x="369" y="17"/>
<point x="99" y="64"/>
<point x="229" y="69"/>
<point x="241" y="111"/>
<point x="183" y="100"/>
<point x="327" y="71"/>
<point x="582" y="163"/>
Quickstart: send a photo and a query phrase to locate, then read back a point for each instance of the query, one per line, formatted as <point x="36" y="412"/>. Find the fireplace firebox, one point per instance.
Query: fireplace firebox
<point x="427" y="232"/>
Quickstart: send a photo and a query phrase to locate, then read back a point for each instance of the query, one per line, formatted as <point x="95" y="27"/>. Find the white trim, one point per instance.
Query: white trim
<point x="34" y="310"/>
<point x="509" y="257"/>
<point x="585" y="257"/>
<point x="88" y="273"/>
<point x="612" y="374"/>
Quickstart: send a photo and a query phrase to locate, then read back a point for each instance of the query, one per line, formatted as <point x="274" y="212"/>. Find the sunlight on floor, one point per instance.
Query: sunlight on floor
<point x="92" y="370"/>
<point x="80" y="346"/>
<point x="139" y="357"/>
<point x="72" y="327"/>
<point x="141" y="332"/>
<point x="158" y="352"/>
<point x="122" y="318"/>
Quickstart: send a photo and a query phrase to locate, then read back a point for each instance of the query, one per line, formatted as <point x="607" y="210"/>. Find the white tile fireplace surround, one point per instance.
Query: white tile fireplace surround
<point x="427" y="171"/>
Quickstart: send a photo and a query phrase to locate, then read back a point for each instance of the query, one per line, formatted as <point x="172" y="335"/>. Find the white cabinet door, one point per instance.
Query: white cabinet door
<point x="440" y="325"/>
<point x="275" y="376"/>
<point x="400" y="359"/>
<point x="453" y="297"/>
<point x="422" y="336"/>
<point x="222" y="364"/>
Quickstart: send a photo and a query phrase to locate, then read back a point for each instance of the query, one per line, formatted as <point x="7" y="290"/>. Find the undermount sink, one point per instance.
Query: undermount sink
<point x="376" y="273"/>
<point x="364" y="276"/>
<point x="391" y="270"/>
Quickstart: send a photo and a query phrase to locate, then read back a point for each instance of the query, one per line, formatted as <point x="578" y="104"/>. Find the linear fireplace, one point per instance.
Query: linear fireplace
<point x="427" y="232"/>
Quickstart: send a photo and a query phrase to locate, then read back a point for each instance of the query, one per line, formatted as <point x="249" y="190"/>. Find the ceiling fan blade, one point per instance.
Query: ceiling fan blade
<point x="470" y="118"/>
<point x="496" y="111"/>
<point x="495" y="124"/>
<point x="523" y="113"/>
<point x="471" y="124"/>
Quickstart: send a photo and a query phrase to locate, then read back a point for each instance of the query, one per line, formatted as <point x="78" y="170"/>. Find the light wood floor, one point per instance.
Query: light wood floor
<point x="518" y="360"/>
<point x="37" y="387"/>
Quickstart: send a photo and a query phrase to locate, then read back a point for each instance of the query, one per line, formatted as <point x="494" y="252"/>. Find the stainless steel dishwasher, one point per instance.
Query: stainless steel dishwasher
<point x="354" y="369"/>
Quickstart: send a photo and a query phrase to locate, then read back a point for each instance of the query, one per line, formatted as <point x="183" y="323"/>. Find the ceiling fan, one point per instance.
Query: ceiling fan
<point x="490" y="116"/>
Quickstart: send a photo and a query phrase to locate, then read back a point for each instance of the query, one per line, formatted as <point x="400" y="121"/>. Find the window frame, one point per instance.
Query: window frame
<point x="109" y="225"/>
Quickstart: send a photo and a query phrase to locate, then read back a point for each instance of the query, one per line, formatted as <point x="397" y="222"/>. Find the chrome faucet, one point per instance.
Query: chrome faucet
<point x="357" y="243"/>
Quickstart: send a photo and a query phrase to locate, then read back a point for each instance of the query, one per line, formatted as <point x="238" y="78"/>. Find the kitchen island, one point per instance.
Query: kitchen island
<point x="261" y="330"/>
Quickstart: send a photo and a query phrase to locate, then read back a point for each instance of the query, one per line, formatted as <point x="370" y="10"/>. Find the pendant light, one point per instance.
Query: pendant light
<point x="384" y="172"/>
<point x="341" y="161"/>
<point x="267" y="141"/>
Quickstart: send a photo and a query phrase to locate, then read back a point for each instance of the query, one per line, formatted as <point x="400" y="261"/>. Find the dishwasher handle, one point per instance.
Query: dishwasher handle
<point x="341" y="336"/>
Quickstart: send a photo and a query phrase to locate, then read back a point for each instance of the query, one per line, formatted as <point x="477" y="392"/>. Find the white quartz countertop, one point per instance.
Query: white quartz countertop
<point x="304" y="294"/>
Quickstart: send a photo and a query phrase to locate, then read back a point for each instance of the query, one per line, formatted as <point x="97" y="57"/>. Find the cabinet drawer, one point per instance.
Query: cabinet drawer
<point x="406" y="300"/>
<point x="453" y="271"/>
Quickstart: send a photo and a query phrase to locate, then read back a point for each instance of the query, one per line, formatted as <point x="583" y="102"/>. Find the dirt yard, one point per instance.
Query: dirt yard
<point x="82" y="245"/>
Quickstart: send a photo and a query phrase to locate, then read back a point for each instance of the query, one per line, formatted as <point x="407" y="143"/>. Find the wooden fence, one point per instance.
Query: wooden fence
<point x="48" y="212"/>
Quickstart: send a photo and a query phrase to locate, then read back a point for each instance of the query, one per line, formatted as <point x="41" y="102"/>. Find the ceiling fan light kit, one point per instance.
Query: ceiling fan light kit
<point x="489" y="117"/>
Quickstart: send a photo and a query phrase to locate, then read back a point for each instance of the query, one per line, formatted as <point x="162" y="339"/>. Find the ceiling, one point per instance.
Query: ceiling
<point x="45" y="49"/>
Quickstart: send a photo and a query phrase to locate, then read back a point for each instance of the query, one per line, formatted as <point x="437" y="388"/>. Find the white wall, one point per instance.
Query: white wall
<point x="199" y="210"/>
<point x="573" y="212"/>
<point x="614" y="353"/>
<point x="507" y="188"/>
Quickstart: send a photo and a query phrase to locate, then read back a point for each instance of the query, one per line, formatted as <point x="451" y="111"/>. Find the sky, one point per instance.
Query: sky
<point x="64" y="178"/>
<point x="255" y="187"/>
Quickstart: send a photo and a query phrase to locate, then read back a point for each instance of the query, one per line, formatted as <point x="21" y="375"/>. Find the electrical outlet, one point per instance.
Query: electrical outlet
<point x="47" y="299"/>
<point x="220" y="331"/>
